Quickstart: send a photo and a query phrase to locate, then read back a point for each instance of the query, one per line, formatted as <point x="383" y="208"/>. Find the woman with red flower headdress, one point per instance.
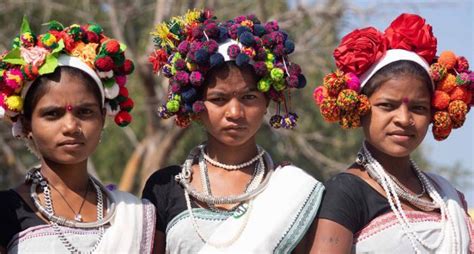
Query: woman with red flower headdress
<point x="56" y="89"/>
<point x="228" y="197"/>
<point x="393" y="85"/>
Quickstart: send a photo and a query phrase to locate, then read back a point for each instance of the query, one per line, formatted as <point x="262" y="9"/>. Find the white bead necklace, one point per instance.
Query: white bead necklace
<point x="377" y="172"/>
<point x="232" y="167"/>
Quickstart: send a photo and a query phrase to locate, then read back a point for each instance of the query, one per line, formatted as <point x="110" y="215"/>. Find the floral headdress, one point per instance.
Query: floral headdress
<point x="84" y="47"/>
<point x="188" y="46"/>
<point x="365" y="51"/>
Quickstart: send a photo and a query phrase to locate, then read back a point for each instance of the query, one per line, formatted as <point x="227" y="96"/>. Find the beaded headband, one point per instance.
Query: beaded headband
<point x="188" y="46"/>
<point x="363" y="52"/>
<point x="84" y="47"/>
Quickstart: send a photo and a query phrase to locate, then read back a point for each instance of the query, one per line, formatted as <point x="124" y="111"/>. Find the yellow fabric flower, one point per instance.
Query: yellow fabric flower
<point x="163" y="32"/>
<point x="86" y="52"/>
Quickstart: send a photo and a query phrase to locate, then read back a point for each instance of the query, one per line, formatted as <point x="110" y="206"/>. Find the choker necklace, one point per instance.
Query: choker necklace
<point x="448" y="229"/>
<point x="232" y="167"/>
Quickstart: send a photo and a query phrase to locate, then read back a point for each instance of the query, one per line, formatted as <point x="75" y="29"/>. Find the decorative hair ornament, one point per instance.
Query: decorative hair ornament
<point x="188" y="46"/>
<point x="363" y="52"/>
<point x="84" y="47"/>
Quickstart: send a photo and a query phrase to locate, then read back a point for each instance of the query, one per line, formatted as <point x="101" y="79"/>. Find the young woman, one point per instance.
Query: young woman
<point x="228" y="196"/>
<point x="384" y="203"/>
<point x="53" y="93"/>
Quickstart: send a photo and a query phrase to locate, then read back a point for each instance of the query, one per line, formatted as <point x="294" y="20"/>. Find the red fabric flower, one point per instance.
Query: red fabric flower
<point x="105" y="63"/>
<point x="112" y="47"/>
<point x="359" y="50"/>
<point x="158" y="58"/>
<point x="410" y="32"/>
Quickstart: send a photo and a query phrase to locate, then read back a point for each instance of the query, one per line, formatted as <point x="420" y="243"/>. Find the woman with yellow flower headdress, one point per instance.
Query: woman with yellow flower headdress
<point x="56" y="89"/>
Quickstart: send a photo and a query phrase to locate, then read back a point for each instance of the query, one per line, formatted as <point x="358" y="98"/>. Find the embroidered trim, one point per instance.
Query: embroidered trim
<point x="302" y="222"/>
<point x="148" y="227"/>
<point x="199" y="213"/>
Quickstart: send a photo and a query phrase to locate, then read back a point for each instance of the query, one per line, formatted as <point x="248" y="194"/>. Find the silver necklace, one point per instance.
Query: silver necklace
<point x="232" y="167"/>
<point x="77" y="216"/>
<point x="184" y="179"/>
<point x="35" y="178"/>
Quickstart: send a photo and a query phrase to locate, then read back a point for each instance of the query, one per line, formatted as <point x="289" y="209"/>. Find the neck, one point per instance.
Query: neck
<point x="231" y="155"/>
<point x="399" y="167"/>
<point x="73" y="177"/>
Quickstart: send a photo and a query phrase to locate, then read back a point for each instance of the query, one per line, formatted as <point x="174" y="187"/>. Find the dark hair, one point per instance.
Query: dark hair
<point x="39" y="87"/>
<point x="397" y="68"/>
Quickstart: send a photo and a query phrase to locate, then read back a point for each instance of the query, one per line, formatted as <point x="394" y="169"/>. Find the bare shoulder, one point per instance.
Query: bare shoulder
<point x="331" y="237"/>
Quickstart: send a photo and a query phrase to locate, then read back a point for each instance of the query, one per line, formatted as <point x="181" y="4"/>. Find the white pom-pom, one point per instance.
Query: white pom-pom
<point x="105" y="74"/>
<point x="17" y="130"/>
<point x="110" y="111"/>
<point x="112" y="92"/>
<point x="2" y="112"/>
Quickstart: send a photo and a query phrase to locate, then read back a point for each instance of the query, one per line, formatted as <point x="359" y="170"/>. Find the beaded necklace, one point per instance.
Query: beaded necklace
<point x="377" y="172"/>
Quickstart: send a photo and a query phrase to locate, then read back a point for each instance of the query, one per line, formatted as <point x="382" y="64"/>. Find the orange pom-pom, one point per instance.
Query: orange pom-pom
<point x="441" y="134"/>
<point x="347" y="100"/>
<point x="319" y="94"/>
<point x="364" y="105"/>
<point x="461" y="93"/>
<point x="447" y="84"/>
<point x="448" y="59"/>
<point x="329" y="110"/>
<point x="334" y="82"/>
<point x="440" y="100"/>
<point x="457" y="111"/>
<point x="442" y="121"/>
<point x="350" y="120"/>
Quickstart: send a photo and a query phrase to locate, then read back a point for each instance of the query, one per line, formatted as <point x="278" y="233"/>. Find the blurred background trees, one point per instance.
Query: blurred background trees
<point x="127" y="156"/>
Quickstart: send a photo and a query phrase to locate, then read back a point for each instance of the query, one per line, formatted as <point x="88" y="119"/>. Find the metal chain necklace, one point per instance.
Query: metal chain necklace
<point x="184" y="179"/>
<point x="377" y="172"/>
<point x="77" y="216"/>
<point x="35" y="177"/>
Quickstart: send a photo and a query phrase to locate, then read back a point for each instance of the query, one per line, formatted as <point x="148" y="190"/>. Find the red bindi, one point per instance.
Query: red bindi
<point x="405" y="100"/>
<point x="69" y="108"/>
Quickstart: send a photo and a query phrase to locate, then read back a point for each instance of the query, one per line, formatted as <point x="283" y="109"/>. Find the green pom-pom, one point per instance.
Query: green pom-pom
<point x="172" y="106"/>
<point x="269" y="65"/>
<point x="95" y="28"/>
<point x="177" y="97"/>
<point x="55" y="25"/>
<point x="277" y="74"/>
<point x="16" y="42"/>
<point x="176" y="56"/>
<point x="280" y="85"/>
<point x="75" y="31"/>
<point x="270" y="57"/>
<point x="264" y="85"/>
<point x="108" y="83"/>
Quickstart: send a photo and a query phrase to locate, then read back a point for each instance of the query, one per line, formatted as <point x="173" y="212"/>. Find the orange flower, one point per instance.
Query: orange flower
<point x="86" y="52"/>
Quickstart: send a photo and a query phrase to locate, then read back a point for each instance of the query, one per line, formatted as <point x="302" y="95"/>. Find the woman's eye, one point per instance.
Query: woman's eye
<point x="216" y="99"/>
<point x="420" y="108"/>
<point x="51" y="114"/>
<point x="85" y="111"/>
<point x="386" y="106"/>
<point x="249" y="97"/>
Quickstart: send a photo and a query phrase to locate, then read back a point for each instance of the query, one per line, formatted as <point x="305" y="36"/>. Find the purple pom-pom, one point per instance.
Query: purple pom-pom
<point x="216" y="59"/>
<point x="233" y="31"/>
<point x="278" y="37"/>
<point x="197" y="33"/>
<point x="182" y="77"/>
<point x="180" y="64"/>
<point x="175" y="87"/>
<point x="242" y="59"/>
<point x="233" y="50"/>
<point x="246" y="38"/>
<point x="239" y="19"/>
<point x="289" y="46"/>
<point x="301" y="81"/>
<point x="223" y="34"/>
<point x="260" y="68"/>
<point x="211" y="30"/>
<point x="183" y="48"/>
<point x="276" y="121"/>
<point x="271" y="26"/>
<point x="196" y="78"/>
<point x="195" y="46"/>
<point x="294" y="69"/>
<point x="279" y="50"/>
<point x="199" y="107"/>
<point x="111" y="187"/>
<point x="211" y="46"/>
<point x="292" y="81"/>
<point x="268" y="41"/>
<point x="259" y="30"/>
<point x="242" y="29"/>
<point x="201" y="57"/>
<point x="166" y="70"/>
<point x="260" y="54"/>
<point x="189" y="95"/>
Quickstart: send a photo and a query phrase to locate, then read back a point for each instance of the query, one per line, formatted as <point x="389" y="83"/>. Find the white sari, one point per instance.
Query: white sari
<point x="277" y="221"/>
<point x="131" y="230"/>
<point x="385" y="235"/>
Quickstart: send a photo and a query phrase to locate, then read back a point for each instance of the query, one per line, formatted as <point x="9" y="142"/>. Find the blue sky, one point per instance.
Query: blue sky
<point x="452" y="23"/>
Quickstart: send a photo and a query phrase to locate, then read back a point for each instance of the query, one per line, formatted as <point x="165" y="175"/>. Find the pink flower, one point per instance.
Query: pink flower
<point x="34" y="55"/>
<point x="13" y="78"/>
